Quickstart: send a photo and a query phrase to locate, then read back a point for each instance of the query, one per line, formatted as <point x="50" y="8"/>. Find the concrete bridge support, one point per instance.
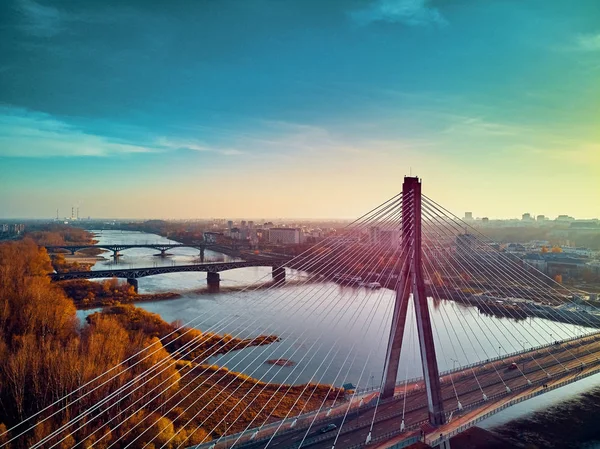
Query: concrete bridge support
<point x="134" y="283"/>
<point x="116" y="254"/>
<point x="201" y="255"/>
<point x="412" y="281"/>
<point x="278" y="274"/>
<point x="445" y="444"/>
<point x="213" y="279"/>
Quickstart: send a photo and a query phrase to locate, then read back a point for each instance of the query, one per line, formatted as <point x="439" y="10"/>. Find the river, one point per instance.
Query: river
<point x="333" y="334"/>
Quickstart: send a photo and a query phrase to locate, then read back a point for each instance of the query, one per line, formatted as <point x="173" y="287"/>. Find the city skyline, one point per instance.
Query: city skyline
<point x="258" y="219"/>
<point x="298" y="109"/>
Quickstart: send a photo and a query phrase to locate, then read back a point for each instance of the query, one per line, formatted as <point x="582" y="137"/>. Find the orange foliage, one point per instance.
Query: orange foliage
<point x="45" y="354"/>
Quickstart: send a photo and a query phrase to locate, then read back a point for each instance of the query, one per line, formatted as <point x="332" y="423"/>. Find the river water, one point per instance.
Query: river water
<point x="332" y="334"/>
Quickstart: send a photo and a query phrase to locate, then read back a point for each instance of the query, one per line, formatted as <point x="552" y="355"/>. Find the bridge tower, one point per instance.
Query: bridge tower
<point x="411" y="284"/>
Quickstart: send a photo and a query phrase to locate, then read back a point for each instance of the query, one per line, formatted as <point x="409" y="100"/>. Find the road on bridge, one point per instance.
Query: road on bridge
<point x="562" y="362"/>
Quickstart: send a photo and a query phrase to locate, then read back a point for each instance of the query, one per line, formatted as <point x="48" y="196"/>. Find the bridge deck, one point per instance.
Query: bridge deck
<point x="562" y="362"/>
<point x="134" y="273"/>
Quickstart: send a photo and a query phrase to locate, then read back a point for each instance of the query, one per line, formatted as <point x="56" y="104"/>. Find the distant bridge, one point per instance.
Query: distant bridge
<point x="212" y="269"/>
<point x="162" y="247"/>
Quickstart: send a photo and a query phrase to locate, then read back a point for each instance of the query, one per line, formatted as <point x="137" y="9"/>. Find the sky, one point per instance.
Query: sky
<point x="298" y="108"/>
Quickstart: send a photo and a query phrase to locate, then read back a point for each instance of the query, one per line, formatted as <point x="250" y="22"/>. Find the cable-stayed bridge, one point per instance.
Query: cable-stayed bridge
<point x="425" y="255"/>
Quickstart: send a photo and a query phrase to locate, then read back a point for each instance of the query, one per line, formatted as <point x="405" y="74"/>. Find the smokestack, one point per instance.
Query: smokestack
<point x="57" y="214"/>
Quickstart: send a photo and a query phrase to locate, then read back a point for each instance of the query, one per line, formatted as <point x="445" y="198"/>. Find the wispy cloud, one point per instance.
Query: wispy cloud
<point x="39" y="20"/>
<point x="407" y="12"/>
<point x="476" y="126"/>
<point x="33" y="134"/>
<point x="588" y="42"/>
<point x="179" y="144"/>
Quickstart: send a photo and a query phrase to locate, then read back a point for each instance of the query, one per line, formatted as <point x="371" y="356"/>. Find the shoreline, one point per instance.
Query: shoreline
<point x="151" y="297"/>
<point x="171" y="295"/>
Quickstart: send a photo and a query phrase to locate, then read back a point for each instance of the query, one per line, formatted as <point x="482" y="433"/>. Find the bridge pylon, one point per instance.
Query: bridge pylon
<point x="411" y="284"/>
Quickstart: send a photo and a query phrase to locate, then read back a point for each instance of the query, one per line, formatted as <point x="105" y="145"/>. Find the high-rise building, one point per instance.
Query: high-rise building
<point x="373" y="235"/>
<point x="284" y="235"/>
<point x="466" y="243"/>
<point x="468" y="215"/>
<point x="526" y="217"/>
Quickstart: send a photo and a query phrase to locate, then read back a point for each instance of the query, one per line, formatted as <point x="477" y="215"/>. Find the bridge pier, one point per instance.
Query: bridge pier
<point x="133" y="282"/>
<point x="444" y="444"/>
<point x="278" y="274"/>
<point x="201" y="255"/>
<point x="116" y="254"/>
<point x="213" y="279"/>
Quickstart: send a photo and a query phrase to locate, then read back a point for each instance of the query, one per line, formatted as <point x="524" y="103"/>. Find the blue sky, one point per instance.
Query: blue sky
<point x="300" y="108"/>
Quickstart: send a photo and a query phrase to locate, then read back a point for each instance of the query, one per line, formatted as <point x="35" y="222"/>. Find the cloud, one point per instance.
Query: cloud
<point x="475" y="126"/>
<point x="34" y="134"/>
<point x="39" y="20"/>
<point x="177" y="144"/>
<point x="407" y="12"/>
<point x="588" y="42"/>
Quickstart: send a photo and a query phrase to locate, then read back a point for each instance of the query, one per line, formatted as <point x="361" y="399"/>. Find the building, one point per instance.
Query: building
<point x="285" y="236"/>
<point x="526" y="217"/>
<point x="374" y="235"/>
<point x="580" y="252"/>
<point x="13" y="229"/>
<point x="210" y="237"/>
<point x="541" y="218"/>
<point x="536" y="261"/>
<point x="390" y="238"/>
<point x="235" y="233"/>
<point x="564" y="219"/>
<point x="468" y="215"/>
<point x="466" y="244"/>
<point x="515" y="248"/>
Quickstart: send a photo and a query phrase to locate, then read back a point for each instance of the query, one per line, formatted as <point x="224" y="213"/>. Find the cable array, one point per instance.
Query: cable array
<point x="458" y="263"/>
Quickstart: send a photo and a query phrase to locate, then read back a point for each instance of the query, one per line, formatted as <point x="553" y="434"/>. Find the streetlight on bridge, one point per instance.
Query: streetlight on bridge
<point x="522" y="357"/>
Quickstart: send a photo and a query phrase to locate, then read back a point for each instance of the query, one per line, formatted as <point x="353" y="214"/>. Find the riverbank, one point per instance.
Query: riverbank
<point x="110" y="292"/>
<point x="568" y="425"/>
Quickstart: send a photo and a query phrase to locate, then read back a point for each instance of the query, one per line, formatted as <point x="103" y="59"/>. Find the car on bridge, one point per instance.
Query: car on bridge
<point x="512" y="366"/>
<point x="328" y="428"/>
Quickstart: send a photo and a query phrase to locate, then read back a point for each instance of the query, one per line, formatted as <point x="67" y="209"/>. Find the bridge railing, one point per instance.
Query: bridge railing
<point x="595" y="335"/>
<point x="516" y="353"/>
<point x="437" y="441"/>
<point x="511" y="402"/>
<point x="229" y="440"/>
<point x="343" y="410"/>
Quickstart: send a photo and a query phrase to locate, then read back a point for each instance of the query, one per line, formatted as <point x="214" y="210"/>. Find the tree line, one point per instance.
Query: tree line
<point x="46" y="353"/>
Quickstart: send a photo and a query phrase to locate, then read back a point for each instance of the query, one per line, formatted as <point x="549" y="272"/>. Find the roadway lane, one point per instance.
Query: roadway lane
<point x="560" y="361"/>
